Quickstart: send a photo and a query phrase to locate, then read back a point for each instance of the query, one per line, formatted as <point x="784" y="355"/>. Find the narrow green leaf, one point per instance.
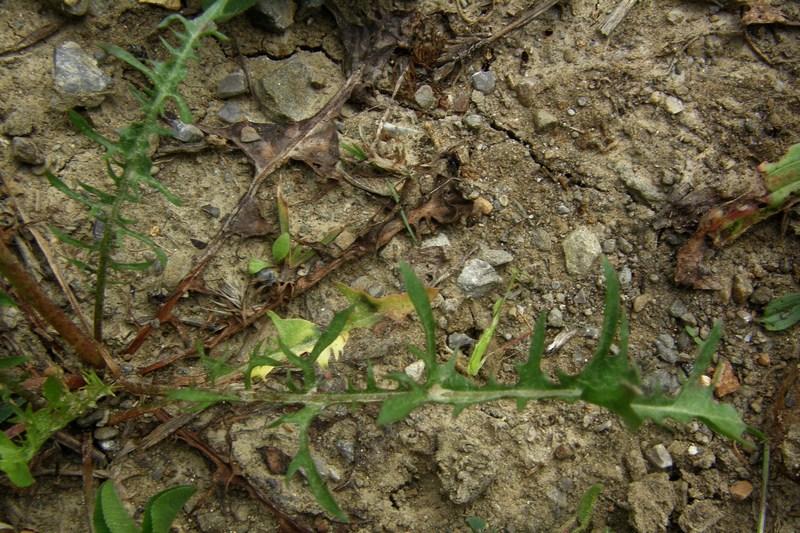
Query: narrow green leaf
<point x="423" y="308"/>
<point x="281" y="247"/>
<point x="202" y="396"/>
<point x="586" y="507"/>
<point x="63" y="237"/>
<point x="12" y="361"/>
<point x="162" y="257"/>
<point x="611" y="313"/>
<point x="62" y="187"/>
<point x="103" y="196"/>
<point x="782" y="312"/>
<point x="476" y="360"/>
<point x="80" y="124"/>
<point x="331" y="333"/>
<point x="127" y="57"/>
<point x="530" y="372"/>
<point x="110" y="515"/>
<point x="6" y="300"/>
<point x="132" y="267"/>
<point x="162" y="508"/>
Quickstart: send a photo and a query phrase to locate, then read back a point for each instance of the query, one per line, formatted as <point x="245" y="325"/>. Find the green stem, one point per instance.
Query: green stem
<point x="31" y="292"/>
<point x="436" y="394"/>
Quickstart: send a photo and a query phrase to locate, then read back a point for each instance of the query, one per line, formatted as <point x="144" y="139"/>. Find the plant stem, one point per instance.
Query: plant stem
<point x="436" y="394"/>
<point x="32" y="294"/>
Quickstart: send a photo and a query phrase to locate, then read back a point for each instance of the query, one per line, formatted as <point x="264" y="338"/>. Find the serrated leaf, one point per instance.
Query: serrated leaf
<point x="63" y="237"/>
<point x="162" y="508"/>
<point x="202" y="396"/>
<point x="232" y="8"/>
<point x="400" y="407"/>
<point x="696" y="402"/>
<point x="80" y="124"/>
<point x="110" y="515"/>
<point x="783" y="173"/>
<point x="14" y="462"/>
<point x="586" y="507"/>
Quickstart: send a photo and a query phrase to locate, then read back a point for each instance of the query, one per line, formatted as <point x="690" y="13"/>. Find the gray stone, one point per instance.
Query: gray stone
<point x="473" y="122"/>
<point x="665" y="345"/>
<point x="231" y="113"/>
<point x="659" y="457"/>
<point x="440" y="239"/>
<point x="555" y="319"/>
<point x="274" y="15"/>
<point x="741" y="288"/>
<point x="678" y="309"/>
<point x="478" y="278"/>
<point x="761" y="296"/>
<point x="424" y="97"/>
<point x="456" y="341"/>
<point x="640" y="186"/>
<point x="484" y="81"/>
<point x="26" y="150"/>
<point x="416" y="371"/>
<point x="296" y="88"/>
<point x="308" y="8"/>
<point x="673" y="105"/>
<point x="581" y="249"/>
<point x="660" y="381"/>
<point x="651" y="502"/>
<point x="497" y="257"/>
<point x="79" y="82"/>
<point x="544" y="121"/>
<point x="609" y="246"/>
<point x="187" y="132"/>
<point x="106" y="433"/>
<point x="541" y="239"/>
<point x="232" y="85"/>
<point x="97" y="417"/>
<point x="675" y="16"/>
<point x="249" y="135"/>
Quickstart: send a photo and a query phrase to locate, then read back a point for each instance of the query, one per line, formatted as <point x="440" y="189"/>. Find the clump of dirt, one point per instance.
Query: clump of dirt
<point x="627" y="136"/>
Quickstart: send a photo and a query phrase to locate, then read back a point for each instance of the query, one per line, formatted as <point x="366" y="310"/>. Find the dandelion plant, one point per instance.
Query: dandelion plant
<point x="128" y="159"/>
<point x="609" y="380"/>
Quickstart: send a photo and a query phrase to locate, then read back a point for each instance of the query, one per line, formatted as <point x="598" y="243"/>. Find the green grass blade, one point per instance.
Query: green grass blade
<point x="422" y="305"/>
<point x="611" y="313"/>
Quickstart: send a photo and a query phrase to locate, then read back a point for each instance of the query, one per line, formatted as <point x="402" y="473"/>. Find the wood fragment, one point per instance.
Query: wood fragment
<point x="32" y="38"/>
<point x="616" y="16"/>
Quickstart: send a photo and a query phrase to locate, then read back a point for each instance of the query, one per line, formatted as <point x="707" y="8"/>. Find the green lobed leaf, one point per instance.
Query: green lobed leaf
<point x="696" y="402"/>
<point x="162" y="508"/>
<point x="304" y="463"/>
<point x="254" y="266"/>
<point x="12" y="361"/>
<point x="14" y="461"/>
<point x="586" y="507"/>
<point x="110" y="515"/>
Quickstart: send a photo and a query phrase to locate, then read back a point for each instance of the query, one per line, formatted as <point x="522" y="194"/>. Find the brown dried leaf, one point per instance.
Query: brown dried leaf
<point x="689" y="269"/>
<point x="761" y="13"/>
<point x="250" y="223"/>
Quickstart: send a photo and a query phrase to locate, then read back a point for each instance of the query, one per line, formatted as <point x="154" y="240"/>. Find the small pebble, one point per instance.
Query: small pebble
<point x="424" y="97"/>
<point x="555" y="319"/>
<point x="234" y="84"/>
<point x="659" y="456"/>
<point x="544" y="121"/>
<point x="761" y="296"/>
<point x="728" y="383"/>
<point x="484" y="81"/>
<point x="106" y="433"/>
<point x="473" y="122"/>
<point x="416" y="371"/>
<point x="563" y="451"/>
<point x="231" y="113"/>
<point x="249" y="135"/>
<point x="187" y="132"/>
<point x="482" y="205"/>
<point x="741" y="490"/>
<point x="763" y="359"/>
<point x="26" y="150"/>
